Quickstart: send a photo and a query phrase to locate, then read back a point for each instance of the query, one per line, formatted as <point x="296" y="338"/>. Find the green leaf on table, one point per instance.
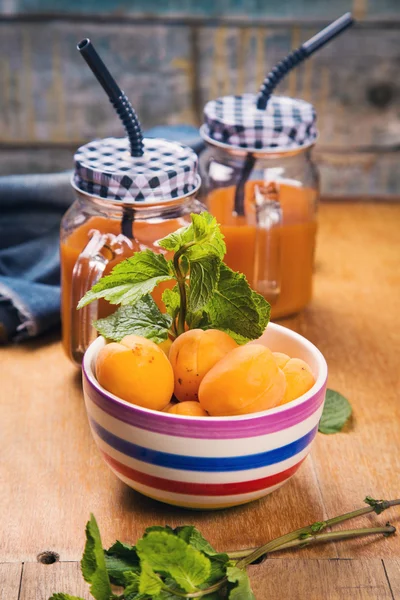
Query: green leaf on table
<point x="120" y="560"/>
<point x="130" y="279"/>
<point x="168" y="554"/>
<point x="93" y="563"/>
<point x="337" y="411"/>
<point x="144" y="319"/>
<point x="219" y="560"/>
<point x="131" y="585"/>
<point x="236" y="309"/>
<point x="172" y="301"/>
<point x="65" y="597"/>
<point x="204" y="275"/>
<point x="149" y="582"/>
<point x="242" y="589"/>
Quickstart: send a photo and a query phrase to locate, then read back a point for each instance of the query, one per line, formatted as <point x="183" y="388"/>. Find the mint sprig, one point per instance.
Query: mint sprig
<point x="207" y="293"/>
<point x="170" y="564"/>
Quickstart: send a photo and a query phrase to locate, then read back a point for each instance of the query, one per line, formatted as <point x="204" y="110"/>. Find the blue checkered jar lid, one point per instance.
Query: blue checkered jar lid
<point x="166" y="171"/>
<point x="285" y="124"/>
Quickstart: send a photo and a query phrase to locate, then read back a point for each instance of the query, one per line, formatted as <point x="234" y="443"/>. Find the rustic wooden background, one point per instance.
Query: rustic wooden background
<point x="171" y="56"/>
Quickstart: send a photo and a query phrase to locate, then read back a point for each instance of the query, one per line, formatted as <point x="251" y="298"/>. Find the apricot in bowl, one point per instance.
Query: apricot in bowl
<point x="213" y="462"/>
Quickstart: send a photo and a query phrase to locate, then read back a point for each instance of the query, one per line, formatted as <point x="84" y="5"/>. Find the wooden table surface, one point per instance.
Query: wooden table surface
<point x="53" y="477"/>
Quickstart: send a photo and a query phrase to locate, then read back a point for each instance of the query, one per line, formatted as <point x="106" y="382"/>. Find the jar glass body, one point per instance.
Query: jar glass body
<point x="273" y="242"/>
<point x="97" y="234"/>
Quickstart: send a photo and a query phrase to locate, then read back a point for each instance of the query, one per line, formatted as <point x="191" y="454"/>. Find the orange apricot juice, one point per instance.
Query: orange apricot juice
<point x="294" y="240"/>
<point x="146" y="234"/>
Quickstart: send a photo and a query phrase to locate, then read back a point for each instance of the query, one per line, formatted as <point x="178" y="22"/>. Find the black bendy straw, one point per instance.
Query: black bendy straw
<point x="275" y="76"/>
<point x="124" y="110"/>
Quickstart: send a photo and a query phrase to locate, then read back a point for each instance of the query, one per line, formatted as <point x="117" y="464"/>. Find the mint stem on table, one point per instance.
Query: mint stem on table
<point x="377" y="506"/>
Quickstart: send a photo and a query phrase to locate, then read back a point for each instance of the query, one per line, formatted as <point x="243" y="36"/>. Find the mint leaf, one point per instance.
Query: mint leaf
<point x="204" y="275"/>
<point x="168" y="554"/>
<point x="263" y="308"/>
<point x="198" y="320"/>
<point x="131" y="279"/>
<point x="149" y="582"/>
<point x="236" y="309"/>
<point x="242" y="589"/>
<point x="205" y="235"/>
<point x="174" y="241"/>
<point x="64" y="597"/>
<point x="120" y="560"/>
<point x="144" y="319"/>
<point x="192" y="536"/>
<point x="172" y="301"/>
<point x="131" y="585"/>
<point x="337" y="410"/>
<point x="93" y="563"/>
<point x="219" y="560"/>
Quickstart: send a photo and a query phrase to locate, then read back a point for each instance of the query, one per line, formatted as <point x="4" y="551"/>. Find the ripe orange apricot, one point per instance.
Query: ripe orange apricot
<point x="192" y="355"/>
<point x="190" y="408"/>
<point x="299" y="379"/>
<point x="246" y="380"/>
<point x="281" y="359"/>
<point x="137" y="371"/>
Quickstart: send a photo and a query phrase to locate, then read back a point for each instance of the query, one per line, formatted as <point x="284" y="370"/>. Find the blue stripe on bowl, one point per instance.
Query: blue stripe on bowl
<point x="195" y="463"/>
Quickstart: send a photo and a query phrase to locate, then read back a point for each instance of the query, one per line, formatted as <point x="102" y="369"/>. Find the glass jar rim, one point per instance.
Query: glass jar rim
<point x="258" y="152"/>
<point x="137" y="205"/>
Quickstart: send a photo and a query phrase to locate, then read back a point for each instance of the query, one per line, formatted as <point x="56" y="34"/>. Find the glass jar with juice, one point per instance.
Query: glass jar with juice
<point x="123" y="204"/>
<point x="262" y="186"/>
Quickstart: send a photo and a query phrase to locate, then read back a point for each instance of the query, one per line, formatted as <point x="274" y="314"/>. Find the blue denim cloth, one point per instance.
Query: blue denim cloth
<point x="31" y="208"/>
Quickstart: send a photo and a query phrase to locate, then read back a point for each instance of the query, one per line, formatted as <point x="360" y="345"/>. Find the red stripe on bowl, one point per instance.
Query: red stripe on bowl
<point x="200" y="489"/>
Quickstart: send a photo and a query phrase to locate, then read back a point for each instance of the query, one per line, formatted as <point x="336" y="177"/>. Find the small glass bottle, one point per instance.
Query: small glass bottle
<point x="123" y="205"/>
<point x="260" y="183"/>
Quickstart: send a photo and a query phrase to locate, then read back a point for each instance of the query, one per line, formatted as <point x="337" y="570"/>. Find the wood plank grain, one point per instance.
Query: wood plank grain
<point x="10" y="579"/>
<point x="55" y="477"/>
<point x="352" y="319"/>
<point x="392" y="568"/>
<point x="276" y="579"/>
<point x="39" y="581"/>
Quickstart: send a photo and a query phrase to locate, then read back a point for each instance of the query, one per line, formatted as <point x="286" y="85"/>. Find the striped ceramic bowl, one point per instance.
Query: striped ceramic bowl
<point x="213" y="462"/>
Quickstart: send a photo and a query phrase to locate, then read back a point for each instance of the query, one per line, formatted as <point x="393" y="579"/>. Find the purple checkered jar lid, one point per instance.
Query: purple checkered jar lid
<point x="166" y="171"/>
<point x="286" y="123"/>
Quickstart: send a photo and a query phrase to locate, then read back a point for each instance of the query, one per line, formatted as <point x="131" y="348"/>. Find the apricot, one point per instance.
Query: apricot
<point x="192" y="355"/>
<point x="281" y="359"/>
<point x="136" y="370"/>
<point x="190" y="408"/>
<point x="246" y="380"/>
<point x="299" y="379"/>
<point x="165" y="346"/>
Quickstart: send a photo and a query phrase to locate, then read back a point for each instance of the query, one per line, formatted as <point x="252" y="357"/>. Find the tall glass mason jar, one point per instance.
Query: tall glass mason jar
<point x="122" y="205"/>
<point x="261" y="184"/>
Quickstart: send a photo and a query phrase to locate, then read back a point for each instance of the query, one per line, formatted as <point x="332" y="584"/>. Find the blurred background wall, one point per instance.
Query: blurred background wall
<point x="171" y="56"/>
